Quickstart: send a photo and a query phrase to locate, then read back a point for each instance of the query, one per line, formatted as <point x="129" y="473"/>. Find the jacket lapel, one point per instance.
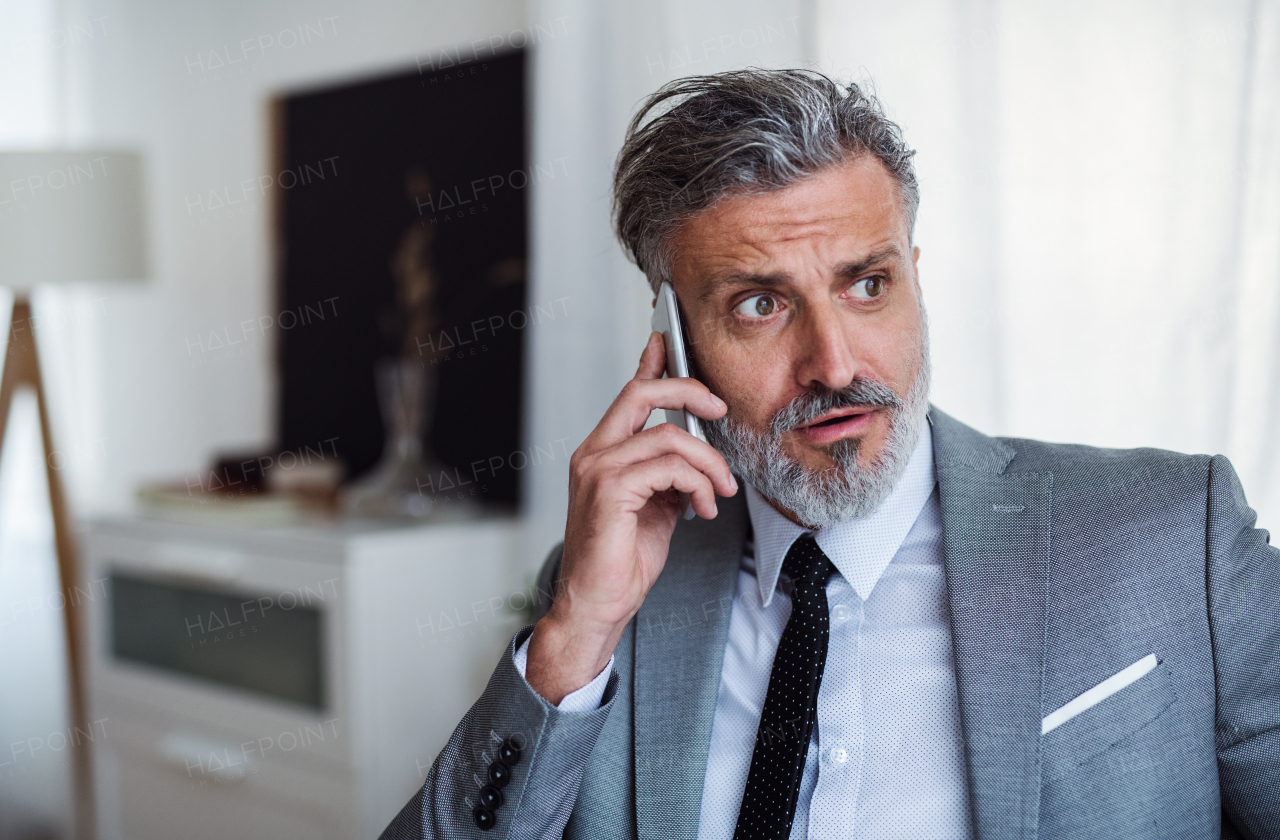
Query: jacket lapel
<point x="996" y="536"/>
<point x="680" y="635"/>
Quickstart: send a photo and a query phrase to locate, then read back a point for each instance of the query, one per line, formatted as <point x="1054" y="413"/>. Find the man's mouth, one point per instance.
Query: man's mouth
<point x="837" y="424"/>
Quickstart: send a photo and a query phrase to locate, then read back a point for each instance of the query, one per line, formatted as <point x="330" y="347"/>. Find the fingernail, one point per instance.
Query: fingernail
<point x="733" y="482"/>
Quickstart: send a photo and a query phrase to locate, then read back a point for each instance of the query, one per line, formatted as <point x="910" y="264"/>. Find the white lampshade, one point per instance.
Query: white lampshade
<point x="71" y="217"/>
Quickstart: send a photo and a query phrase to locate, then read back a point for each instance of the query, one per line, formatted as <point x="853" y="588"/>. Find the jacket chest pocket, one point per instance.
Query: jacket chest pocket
<point x="1118" y="716"/>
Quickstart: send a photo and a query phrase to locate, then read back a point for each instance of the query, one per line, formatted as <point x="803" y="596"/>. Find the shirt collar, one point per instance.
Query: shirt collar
<point x="860" y="549"/>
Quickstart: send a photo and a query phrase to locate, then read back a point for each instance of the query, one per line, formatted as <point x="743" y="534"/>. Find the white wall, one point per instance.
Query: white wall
<point x="135" y="397"/>
<point x="140" y="74"/>
<point x="131" y="399"/>
<point x="147" y="77"/>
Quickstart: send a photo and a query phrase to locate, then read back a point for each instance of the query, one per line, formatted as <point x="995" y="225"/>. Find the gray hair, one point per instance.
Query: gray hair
<point x="698" y="139"/>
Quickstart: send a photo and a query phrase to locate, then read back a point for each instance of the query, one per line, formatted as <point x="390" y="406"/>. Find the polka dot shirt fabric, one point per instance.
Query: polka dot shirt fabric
<point x="885" y="757"/>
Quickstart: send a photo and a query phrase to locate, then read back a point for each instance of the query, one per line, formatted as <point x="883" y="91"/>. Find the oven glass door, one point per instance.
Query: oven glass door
<point x="269" y="645"/>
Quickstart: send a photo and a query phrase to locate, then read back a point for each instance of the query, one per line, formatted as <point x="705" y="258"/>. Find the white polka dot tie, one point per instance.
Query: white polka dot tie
<point x="791" y="703"/>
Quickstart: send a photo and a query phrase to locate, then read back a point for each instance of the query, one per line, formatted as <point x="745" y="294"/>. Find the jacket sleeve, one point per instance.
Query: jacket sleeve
<point x="1244" y="618"/>
<point x="544" y="783"/>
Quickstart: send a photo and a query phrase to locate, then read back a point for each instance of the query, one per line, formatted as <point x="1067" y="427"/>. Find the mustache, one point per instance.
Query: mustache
<point x="814" y="403"/>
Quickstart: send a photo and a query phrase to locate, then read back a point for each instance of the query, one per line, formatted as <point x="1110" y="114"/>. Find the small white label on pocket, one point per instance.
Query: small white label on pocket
<point x="1098" y="693"/>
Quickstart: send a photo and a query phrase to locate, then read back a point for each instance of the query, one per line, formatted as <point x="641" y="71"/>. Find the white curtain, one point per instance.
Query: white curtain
<point x="1100" y="220"/>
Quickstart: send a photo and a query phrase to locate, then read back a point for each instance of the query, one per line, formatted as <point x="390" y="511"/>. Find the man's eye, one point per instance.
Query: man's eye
<point x="868" y="287"/>
<point x="757" y="306"/>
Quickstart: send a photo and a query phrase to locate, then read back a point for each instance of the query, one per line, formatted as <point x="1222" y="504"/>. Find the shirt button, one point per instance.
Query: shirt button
<point x="839" y="755"/>
<point x="839" y="614"/>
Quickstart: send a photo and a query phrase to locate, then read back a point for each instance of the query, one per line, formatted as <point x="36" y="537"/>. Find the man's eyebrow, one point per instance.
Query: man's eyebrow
<point x="743" y="278"/>
<point x="875" y="258"/>
<point x="746" y="278"/>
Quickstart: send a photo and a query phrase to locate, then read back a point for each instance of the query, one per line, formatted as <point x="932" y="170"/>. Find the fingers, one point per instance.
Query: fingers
<point x="653" y="361"/>
<point x="672" y="472"/>
<point x="666" y="439"/>
<point x="640" y="397"/>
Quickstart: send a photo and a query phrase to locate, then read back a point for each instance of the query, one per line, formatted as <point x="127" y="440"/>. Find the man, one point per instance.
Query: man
<point x="897" y="626"/>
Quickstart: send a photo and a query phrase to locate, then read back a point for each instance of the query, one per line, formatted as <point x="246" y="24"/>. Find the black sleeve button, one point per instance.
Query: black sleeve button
<point x="484" y="818"/>
<point x="491" y="797"/>
<point x="499" y="774"/>
<point x="509" y="752"/>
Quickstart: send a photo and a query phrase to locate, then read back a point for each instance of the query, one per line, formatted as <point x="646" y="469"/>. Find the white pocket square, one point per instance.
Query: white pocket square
<point x="1098" y="693"/>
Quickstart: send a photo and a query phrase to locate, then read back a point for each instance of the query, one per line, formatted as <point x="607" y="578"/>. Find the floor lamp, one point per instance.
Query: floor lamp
<point x="65" y="217"/>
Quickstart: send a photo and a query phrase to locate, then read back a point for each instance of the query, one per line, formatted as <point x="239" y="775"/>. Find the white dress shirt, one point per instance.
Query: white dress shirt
<point x="886" y="759"/>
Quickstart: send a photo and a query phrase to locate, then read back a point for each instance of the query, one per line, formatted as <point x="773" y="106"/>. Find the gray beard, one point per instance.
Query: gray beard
<point x="846" y="490"/>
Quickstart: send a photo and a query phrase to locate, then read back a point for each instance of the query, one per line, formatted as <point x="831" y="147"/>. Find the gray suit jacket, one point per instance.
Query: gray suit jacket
<point x="1064" y="565"/>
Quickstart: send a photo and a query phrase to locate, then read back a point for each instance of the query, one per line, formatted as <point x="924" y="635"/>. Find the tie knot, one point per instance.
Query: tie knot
<point x="806" y="564"/>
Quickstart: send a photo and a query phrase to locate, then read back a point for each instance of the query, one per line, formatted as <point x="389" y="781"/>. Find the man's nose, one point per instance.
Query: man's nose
<point x="826" y="354"/>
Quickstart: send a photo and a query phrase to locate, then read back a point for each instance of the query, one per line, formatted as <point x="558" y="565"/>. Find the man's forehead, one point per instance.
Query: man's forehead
<point x="841" y="213"/>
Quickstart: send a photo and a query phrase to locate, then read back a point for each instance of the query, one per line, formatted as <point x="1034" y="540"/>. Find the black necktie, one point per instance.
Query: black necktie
<point x="791" y="703"/>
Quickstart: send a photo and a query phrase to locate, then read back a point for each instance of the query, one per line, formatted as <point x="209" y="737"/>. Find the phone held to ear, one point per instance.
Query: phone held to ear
<point x="666" y="320"/>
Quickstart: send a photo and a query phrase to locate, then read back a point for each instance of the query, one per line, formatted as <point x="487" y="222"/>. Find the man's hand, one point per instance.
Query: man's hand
<point x="624" y="501"/>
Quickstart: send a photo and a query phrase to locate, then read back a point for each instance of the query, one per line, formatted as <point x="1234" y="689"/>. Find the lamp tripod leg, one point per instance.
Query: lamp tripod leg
<point x="22" y="368"/>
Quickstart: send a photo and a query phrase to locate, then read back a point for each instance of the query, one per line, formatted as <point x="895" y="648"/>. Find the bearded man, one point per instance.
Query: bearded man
<point x="889" y="625"/>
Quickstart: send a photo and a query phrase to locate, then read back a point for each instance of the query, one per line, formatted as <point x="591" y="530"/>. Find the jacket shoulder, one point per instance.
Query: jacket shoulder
<point x="1112" y="471"/>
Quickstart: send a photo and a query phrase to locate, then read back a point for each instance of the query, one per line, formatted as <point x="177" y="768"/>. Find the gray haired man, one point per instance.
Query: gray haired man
<point x="897" y="626"/>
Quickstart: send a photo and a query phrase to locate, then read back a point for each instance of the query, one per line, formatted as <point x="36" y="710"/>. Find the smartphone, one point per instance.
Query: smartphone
<point x="666" y="320"/>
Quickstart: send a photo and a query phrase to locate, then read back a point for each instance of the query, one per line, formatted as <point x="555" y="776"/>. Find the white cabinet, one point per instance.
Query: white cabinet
<point x="282" y="683"/>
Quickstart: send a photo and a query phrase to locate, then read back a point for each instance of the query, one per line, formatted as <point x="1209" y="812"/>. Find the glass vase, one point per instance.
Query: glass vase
<point x="401" y="486"/>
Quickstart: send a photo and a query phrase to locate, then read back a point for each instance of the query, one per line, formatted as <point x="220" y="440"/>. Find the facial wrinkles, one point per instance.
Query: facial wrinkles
<point x="781" y="243"/>
<point x="805" y="253"/>
<point x="868" y="365"/>
<point x="797" y="237"/>
<point x="752" y="231"/>
<point x="847" y="489"/>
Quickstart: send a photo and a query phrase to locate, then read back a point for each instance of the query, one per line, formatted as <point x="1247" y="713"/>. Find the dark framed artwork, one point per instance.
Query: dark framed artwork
<point x="412" y="186"/>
